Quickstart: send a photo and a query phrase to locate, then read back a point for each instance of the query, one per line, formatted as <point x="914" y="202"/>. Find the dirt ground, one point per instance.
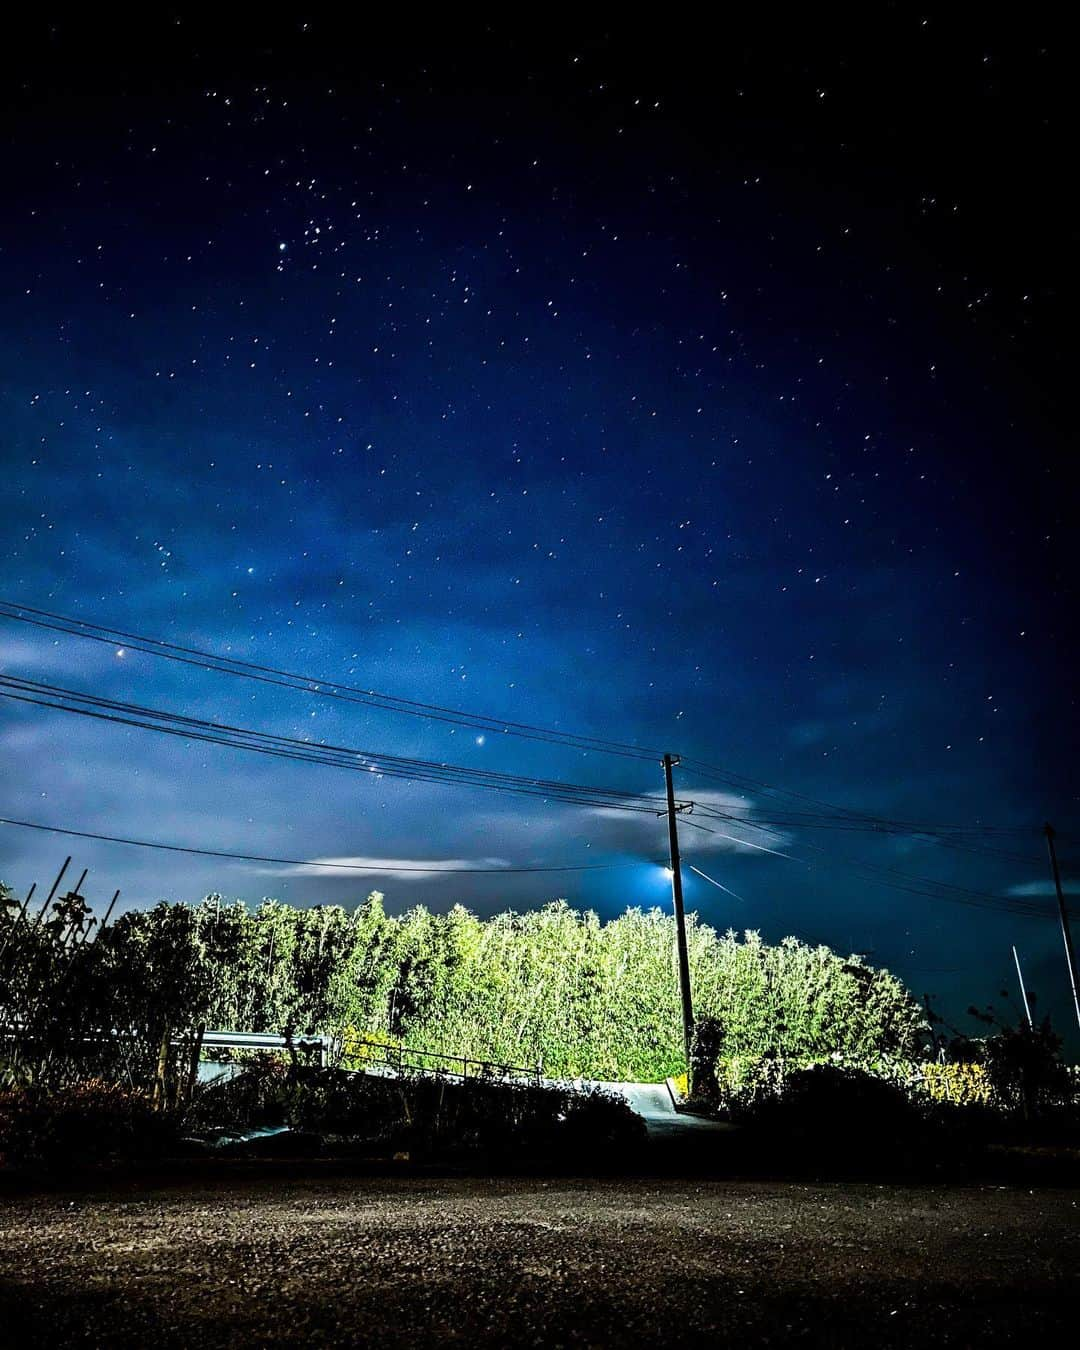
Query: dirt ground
<point x="331" y="1260"/>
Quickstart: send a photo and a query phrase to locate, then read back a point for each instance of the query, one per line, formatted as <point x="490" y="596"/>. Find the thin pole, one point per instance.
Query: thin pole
<point x="1070" y="955"/>
<point x="680" y="915"/>
<point x="48" y="898"/>
<point x="1023" y="991"/>
<point x="108" y="912"/>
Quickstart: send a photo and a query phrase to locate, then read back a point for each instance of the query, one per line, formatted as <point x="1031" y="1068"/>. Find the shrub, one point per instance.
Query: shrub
<point x="841" y="1114"/>
<point x="707" y="1045"/>
<point x="427" y="1115"/>
<point x="84" y="1123"/>
<point x="746" y="1082"/>
<point x="958" y="1084"/>
<point x="1024" y="1067"/>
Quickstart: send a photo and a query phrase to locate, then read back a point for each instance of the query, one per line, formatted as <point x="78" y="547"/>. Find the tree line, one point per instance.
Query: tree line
<point x="585" y="998"/>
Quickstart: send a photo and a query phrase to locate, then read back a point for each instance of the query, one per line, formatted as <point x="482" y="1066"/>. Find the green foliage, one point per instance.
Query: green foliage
<point x="585" y="998"/>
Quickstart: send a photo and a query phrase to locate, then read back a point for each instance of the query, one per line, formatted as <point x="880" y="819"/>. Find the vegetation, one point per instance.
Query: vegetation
<point x="554" y="986"/>
<point x="99" y="1028"/>
<point x="48" y="1127"/>
<point x="423" y="1116"/>
<point x="1011" y="1086"/>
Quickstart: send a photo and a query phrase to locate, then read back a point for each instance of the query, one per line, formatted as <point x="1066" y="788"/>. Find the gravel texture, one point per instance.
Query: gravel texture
<point x="331" y="1260"/>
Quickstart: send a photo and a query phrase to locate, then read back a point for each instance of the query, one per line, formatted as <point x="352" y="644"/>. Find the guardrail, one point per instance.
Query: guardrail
<point x="365" y="1053"/>
<point x="269" y="1040"/>
<point x="405" y="1058"/>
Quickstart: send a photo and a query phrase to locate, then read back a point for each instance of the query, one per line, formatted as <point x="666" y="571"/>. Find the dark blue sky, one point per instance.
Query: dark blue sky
<point x="705" y="396"/>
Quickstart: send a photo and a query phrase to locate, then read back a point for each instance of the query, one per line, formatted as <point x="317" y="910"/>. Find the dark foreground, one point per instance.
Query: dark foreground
<point x="278" y="1260"/>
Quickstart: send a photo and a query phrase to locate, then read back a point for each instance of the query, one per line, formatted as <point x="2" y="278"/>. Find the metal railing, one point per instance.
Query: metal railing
<point x="269" y="1040"/>
<point x="407" y="1059"/>
<point x="365" y="1052"/>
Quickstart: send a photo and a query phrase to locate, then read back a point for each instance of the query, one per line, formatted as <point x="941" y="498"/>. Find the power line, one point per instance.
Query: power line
<point x="744" y="843"/>
<point x="730" y="778"/>
<point x="907" y="881"/>
<point x="837" y="817"/>
<point x="942" y="890"/>
<point x="945" y="835"/>
<point x="229" y="665"/>
<point x="291" y="748"/>
<point x="832" y="816"/>
<point x="305" y="862"/>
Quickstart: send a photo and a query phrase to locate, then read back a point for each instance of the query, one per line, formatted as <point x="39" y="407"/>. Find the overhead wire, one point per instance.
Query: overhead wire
<point x="230" y="665"/>
<point x="906" y="881"/>
<point x="730" y="778"/>
<point x="293" y="748"/>
<point x="111" y="710"/>
<point x="308" y="862"/>
<point x="837" y="817"/>
<point x="845" y="818"/>
<point x="829" y="815"/>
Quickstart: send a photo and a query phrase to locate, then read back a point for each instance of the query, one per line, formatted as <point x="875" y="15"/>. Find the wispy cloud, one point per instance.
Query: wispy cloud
<point x="42" y="656"/>
<point x="1040" y="888"/>
<point x="413" y="869"/>
<point x="699" y="830"/>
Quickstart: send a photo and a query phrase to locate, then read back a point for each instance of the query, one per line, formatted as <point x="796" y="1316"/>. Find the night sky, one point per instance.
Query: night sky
<point x="701" y="391"/>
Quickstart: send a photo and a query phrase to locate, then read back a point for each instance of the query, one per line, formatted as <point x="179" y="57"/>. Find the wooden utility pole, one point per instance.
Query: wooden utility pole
<point x="1023" y="991"/>
<point x="1070" y="955"/>
<point x="680" y="914"/>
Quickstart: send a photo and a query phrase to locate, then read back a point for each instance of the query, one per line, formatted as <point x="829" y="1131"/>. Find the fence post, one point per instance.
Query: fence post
<point x="157" y="1099"/>
<point x="193" y="1063"/>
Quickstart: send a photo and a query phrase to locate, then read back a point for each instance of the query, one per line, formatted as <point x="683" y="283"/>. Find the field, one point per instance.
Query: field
<point x="278" y="1257"/>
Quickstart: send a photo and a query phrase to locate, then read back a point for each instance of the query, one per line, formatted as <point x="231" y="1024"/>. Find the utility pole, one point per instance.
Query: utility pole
<point x="680" y="913"/>
<point x="1070" y="955"/>
<point x="1023" y="991"/>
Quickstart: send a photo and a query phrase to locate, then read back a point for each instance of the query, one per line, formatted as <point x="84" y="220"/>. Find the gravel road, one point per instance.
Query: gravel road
<point x="330" y="1260"/>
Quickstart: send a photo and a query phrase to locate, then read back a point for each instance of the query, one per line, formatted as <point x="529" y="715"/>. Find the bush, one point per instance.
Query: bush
<point x="86" y="1123"/>
<point x="958" y="1084"/>
<point x="744" y="1083"/>
<point x="707" y="1045"/>
<point x="427" y="1116"/>
<point x="1024" y="1067"/>
<point x="835" y="1100"/>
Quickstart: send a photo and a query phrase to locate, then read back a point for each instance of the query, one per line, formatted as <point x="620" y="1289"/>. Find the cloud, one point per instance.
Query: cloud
<point x="699" y="830"/>
<point x="42" y="656"/>
<point x="412" y="869"/>
<point x="1040" y="888"/>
